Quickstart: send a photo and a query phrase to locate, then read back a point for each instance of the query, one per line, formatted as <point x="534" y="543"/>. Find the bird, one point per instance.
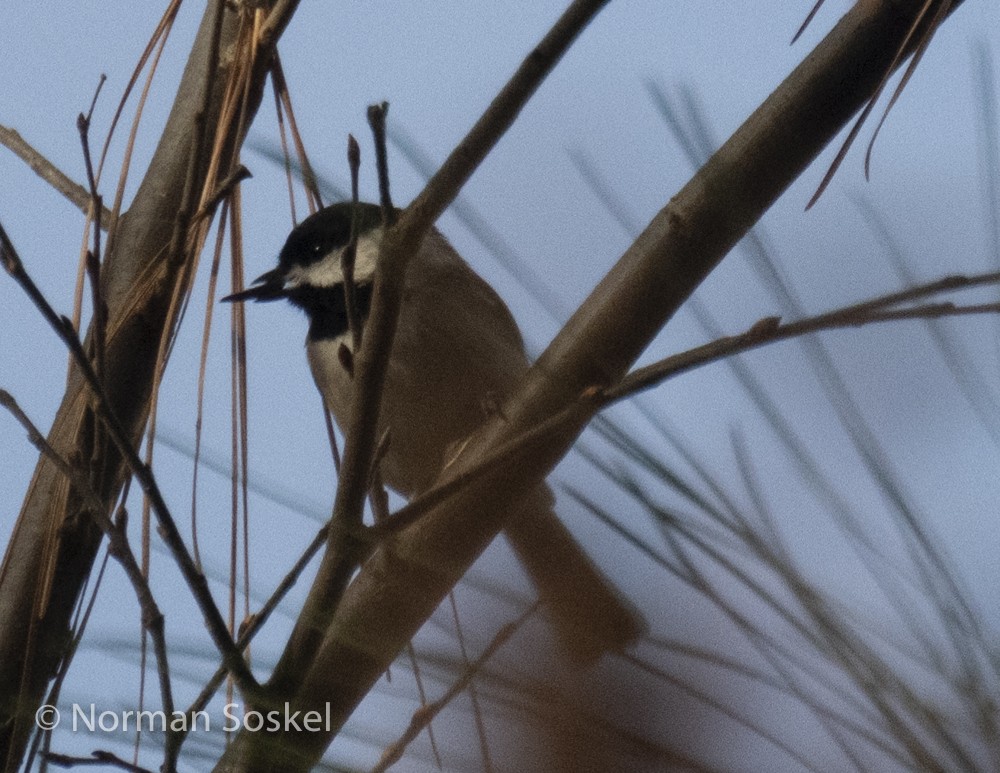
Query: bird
<point x="456" y="356"/>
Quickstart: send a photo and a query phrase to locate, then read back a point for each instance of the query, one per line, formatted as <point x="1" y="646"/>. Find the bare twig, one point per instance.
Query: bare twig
<point x="168" y="528"/>
<point x="120" y="548"/>
<point x="765" y="331"/>
<point x="97" y="758"/>
<point x="83" y="127"/>
<point x="376" y="120"/>
<point x="251" y="626"/>
<point x="93" y="256"/>
<point x="770" y="330"/>
<point x="423" y="716"/>
<point x="75" y="193"/>
<point x="224" y="189"/>
<point x="350" y="251"/>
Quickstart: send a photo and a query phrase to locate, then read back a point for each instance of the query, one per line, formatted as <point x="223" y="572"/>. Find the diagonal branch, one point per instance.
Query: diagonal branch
<point x="399" y="242"/>
<point x="426" y="714"/>
<point x="393" y="594"/>
<point x="766" y="331"/>
<point x="75" y="193"/>
<point x="119" y="547"/>
<point x="168" y="528"/>
<point x="50" y="554"/>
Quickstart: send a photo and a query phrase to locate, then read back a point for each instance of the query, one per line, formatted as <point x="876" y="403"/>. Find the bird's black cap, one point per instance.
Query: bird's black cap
<point x="314" y="237"/>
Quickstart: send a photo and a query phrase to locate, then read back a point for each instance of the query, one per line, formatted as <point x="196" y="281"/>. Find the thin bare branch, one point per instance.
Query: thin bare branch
<point x="168" y="528"/>
<point x="765" y="331"/>
<point x="98" y="757"/>
<point x="121" y="550"/>
<point x="377" y="115"/>
<point x="426" y="714"/>
<point x="75" y="193"/>
<point x="92" y="258"/>
<point x="771" y="330"/>
<point x="254" y="624"/>
<point x="350" y="251"/>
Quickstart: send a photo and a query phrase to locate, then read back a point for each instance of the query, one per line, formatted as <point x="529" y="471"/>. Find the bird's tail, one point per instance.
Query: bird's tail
<point x="590" y="617"/>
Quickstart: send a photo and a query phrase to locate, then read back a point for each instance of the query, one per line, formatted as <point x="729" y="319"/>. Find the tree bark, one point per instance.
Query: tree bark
<point x="53" y="546"/>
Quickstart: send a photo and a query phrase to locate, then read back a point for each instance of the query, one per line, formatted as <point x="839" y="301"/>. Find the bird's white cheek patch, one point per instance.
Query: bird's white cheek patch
<point x="322" y="273"/>
<point x="327" y="273"/>
<point x="366" y="258"/>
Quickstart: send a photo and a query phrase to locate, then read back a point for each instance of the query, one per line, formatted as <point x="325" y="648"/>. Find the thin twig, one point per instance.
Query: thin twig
<point x="121" y="550"/>
<point x="93" y="257"/>
<point x="97" y="758"/>
<point x="376" y="120"/>
<point x="75" y="193"/>
<point x="224" y="189"/>
<point x="770" y="330"/>
<point x="349" y="254"/>
<point x="765" y="331"/>
<point x="83" y="127"/>
<point x="167" y="527"/>
<point x="423" y="716"/>
<point x="251" y="626"/>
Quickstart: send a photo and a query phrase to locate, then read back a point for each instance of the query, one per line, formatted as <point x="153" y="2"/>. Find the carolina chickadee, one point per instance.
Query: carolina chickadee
<point x="456" y="350"/>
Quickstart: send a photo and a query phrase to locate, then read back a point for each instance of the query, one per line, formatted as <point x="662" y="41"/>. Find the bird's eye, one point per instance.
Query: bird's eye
<point x="317" y="249"/>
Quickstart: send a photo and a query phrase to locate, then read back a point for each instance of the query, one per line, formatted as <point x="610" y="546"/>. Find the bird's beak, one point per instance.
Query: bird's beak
<point x="266" y="287"/>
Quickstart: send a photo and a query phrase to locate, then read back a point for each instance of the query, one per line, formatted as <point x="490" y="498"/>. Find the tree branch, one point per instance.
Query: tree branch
<point x="119" y="547"/>
<point x="75" y="193"/>
<point x="50" y="554"/>
<point x="168" y="528"/>
<point x="393" y="594"/>
<point x="400" y="241"/>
